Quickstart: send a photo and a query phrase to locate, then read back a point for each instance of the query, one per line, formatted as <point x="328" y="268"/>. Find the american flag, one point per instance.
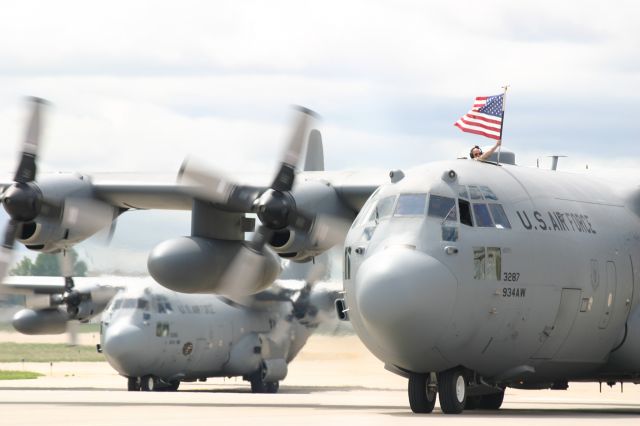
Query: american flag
<point x="485" y="117"/>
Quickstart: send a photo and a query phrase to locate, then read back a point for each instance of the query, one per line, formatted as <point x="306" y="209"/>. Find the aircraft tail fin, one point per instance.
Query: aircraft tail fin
<point x="314" y="158"/>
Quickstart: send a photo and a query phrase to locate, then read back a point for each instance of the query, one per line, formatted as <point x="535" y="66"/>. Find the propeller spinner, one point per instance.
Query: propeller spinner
<point x="23" y="200"/>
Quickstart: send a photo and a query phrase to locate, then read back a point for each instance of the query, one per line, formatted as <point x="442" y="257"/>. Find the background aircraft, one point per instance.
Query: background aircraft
<point x="465" y="277"/>
<point x="157" y="338"/>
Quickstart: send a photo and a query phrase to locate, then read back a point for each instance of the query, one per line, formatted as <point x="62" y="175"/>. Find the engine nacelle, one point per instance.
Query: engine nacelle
<point x="200" y="265"/>
<point x="70" y="213"/>
<point x="333" y="223"/>
<point x="41" y="321"/>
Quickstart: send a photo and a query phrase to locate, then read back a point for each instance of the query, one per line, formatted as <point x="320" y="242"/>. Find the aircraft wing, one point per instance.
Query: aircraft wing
<point x="23" y="285"/>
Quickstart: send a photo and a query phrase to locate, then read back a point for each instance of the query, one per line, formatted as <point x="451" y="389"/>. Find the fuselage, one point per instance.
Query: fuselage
<point x="152" y="331"/>
<point x="519" y="274"/>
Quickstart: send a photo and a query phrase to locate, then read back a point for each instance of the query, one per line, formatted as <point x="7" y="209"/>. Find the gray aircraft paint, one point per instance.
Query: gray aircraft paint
<point x="422" y="310"/>
<point x="202" y="335"/>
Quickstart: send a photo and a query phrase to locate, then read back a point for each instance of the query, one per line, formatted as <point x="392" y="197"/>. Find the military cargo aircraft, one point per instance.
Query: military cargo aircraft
<point x="466" y="277"/>
<point x="157" y="338"/>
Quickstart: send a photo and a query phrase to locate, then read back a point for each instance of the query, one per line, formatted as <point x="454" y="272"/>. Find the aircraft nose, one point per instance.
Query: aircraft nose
<point x="125" y="349"/>
<point x="405" y="299"/>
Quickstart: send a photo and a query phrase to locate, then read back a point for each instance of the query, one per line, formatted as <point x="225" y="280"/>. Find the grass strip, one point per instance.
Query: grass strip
<point x="47" y="352"/>
<point x="18" y="375"/>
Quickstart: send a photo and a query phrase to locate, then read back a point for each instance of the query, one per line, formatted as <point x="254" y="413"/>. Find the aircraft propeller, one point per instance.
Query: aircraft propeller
<point x="22" y="200"/>
<point x="275" y="206"/>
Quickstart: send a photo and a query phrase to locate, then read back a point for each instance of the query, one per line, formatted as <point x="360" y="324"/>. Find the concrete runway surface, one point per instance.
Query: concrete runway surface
<point x="333" y="381"/>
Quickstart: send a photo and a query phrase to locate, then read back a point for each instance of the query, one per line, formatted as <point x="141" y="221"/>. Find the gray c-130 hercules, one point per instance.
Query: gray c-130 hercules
<point x="157" y="338"/>
<point x="465" y="277"/>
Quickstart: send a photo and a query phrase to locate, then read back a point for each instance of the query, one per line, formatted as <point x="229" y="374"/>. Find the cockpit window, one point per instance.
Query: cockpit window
<point x="117" y="303"/>
<point x="481" y="213"/>
<point x="462" y="192"/>
<point x="442" y="207"/>
<point x="143" y="304"/>
<point x="475" y="193"/>
<point x="488" y="194"/>
<point x="499" y="216"/>
<point x="366" y="209"/>
<point x="383" y="209"/>
<point x="163" y="305"/>
<point x="411" y="205"/>
<point x="129" y="303"/>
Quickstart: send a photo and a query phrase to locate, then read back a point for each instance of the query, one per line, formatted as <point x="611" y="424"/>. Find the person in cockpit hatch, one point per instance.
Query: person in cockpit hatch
<point x="477" y="154"/>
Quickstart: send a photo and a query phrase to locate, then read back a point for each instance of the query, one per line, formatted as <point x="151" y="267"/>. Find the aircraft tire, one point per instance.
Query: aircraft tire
<point x="133" y="383"/>
<point x="452" y="390"/>
<point x="149" y="383"/>
<point x="422" y="398"/>
<point x="492" y="401"/>
<point x="272" y="387"/>
<point x="257" y="384"/>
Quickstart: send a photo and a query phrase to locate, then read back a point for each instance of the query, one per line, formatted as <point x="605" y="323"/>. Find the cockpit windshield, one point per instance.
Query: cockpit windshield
<point x="411" y="205"/>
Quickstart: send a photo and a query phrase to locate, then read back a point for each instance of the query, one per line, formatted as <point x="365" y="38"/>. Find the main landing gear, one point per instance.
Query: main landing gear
<point x="453" y="387"/>
<point x="151" y="383"/>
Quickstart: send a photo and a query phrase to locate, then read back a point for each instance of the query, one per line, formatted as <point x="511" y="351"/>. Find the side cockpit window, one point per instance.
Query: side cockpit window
<point x="383" y="209"/>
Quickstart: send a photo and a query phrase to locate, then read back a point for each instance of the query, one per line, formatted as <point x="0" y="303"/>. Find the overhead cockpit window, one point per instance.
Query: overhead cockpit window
<point x="411" y="205"/>
<point x="442" y="207"/>
<point x="481" y="212"/>
<point x="474" y="192"/>
<point x="488" y="194"/>
<point x="499" y="216"/>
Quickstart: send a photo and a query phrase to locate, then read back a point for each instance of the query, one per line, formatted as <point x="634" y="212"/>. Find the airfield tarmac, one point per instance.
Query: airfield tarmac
<point x="335" y="380"/>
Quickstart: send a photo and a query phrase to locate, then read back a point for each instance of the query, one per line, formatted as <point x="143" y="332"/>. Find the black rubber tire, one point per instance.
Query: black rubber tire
<point x="421" y="397"/>
<point x="133" y="384"/>
<point x="452" y="391"/>
<point x="492" y="401"/>
<point x="272" y="387"/>
<point x="258" y="385"/>
<point x="149" y="384"/>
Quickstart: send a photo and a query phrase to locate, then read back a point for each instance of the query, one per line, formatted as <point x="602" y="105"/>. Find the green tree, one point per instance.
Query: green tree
<point x="49" y="265"/>
<point x="24" y="267"/>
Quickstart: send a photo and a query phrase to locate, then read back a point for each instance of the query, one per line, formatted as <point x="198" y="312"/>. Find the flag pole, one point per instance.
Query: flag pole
<point x="504" y="103"/>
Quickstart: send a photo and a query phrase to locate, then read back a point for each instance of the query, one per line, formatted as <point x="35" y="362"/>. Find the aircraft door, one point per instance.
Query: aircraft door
<point x="221" y="338"/>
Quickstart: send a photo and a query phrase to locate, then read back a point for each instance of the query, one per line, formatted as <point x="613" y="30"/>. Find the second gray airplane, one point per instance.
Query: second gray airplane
<point x="157" y="338"/>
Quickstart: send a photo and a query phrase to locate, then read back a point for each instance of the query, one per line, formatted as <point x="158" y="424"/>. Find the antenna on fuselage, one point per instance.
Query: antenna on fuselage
<point x="554" y="161"/>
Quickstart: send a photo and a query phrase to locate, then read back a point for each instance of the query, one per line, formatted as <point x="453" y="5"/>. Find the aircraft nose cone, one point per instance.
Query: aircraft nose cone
<point x="405" y="299"/>
<point x="125" y="349"/>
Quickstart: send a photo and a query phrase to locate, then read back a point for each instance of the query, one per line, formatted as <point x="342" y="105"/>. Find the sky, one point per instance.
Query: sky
<point x="136" y="86"/>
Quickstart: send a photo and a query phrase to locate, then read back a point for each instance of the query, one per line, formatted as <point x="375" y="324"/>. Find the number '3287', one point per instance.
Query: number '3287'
<point x="511" y="276"/>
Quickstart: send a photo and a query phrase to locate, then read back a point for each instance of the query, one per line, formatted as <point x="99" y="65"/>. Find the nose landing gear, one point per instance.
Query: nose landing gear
<point x="422" y="392"/>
